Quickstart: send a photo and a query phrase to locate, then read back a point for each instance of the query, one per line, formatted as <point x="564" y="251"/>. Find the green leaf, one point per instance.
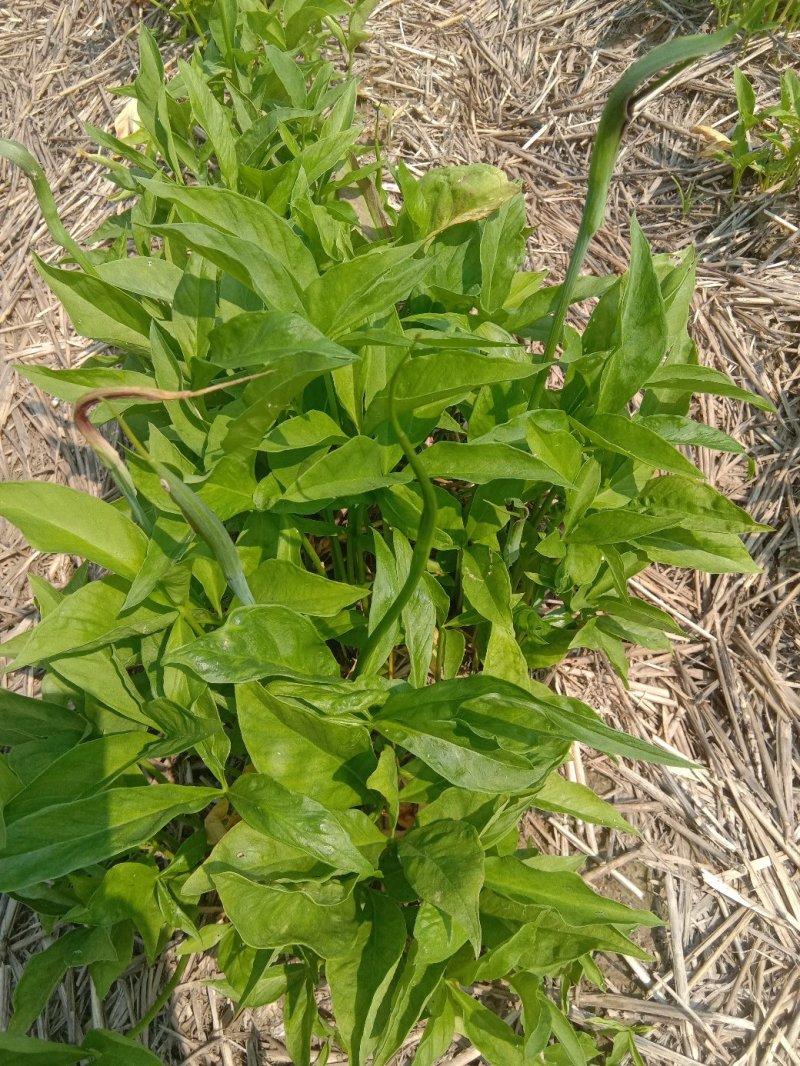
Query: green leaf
<point x="281" y="582"/>
<point x="298" y="820"/>
<point x="350" y="292"/>
<point x="617" y="525"/>
<point x="697" y="507"/>
<point x="323" y="918"/>
<point x="626" y="437"/>
<point x="495" y="1040"/>
<point x="685" y="378"/>
<point x="55" y="518"/>
<point x="433" y="736"/>
<point x="642" y="328"/>
<point x="23" y="718"/>
<point x="441" y="378"/>
<point x="214" y="118"/>
<point x="715" y="553"/>
<point x="270" y="339"/>
<point x="544" y="944"/>
<point x="481" y="463"/>
<point x="114" y="1049"/>
<point x="84" y="769"/>
<point x="128" y="892"/>
<point x="438" y="1035"/>
<point x="565" y="1034"/>
<point x="384" y="780"/>
<point x="570" y="797"/>
<point x="678" y="429"/>
<point x="251" y="264"/>
<point x="46" y="845"/>
<point x="142" y="275"/>
<point x="360" y="980"/>
<point x="448" y="196"/>
<point x="566" y="893"/>
<point x="416" y="982"/>
<point x="300" y="1015"/>
<point x="502" y="250"/>
<point x="256" y="642"/>
<point x="99" y="310"/>
<point x="444" y="864"/>
<point x="328" y="759"/>
<point x="351" y="470"/>
<point x="86" y="620"/>
<point x="45" y="970"/>
<point x="30" y="1052"/>
<point x="70" y="385"/>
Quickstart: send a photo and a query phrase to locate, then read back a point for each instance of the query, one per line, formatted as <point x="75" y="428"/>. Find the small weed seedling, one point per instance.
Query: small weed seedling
<point x="371" y="480"/>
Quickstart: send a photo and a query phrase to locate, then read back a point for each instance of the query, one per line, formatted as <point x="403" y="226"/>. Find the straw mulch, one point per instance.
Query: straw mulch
<point x="519" y="83"/>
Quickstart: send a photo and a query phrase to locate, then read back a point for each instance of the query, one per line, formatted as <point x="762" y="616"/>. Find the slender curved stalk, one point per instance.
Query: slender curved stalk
<point x="618" y="111"/>
<point x="369" y="662"/>
<point x="162" y="998"/>
<point x="19" y="155"/>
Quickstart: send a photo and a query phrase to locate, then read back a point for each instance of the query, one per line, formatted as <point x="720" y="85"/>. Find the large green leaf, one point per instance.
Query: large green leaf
<point x="685" y="378"/>
<point x="239" y="214"/>
<point x="254" y="266"/>
<point x="23" y="718"/>
<point x="360" y="980"/>
<point x="25" y="1050"/>
<point x="484" y="463"/>
<point x="328" y="759"/>
<point x="81" y="771"/>
<point x="441" y="378"/>
<point x="272" y="340"/>
<point x="566" y="893"/>
<point x="370" y="284"/>
<point x="497" y="1042"/>
<point x="281" y="582"/>
<point x="626" y="437"/>
<point x="323" y="917"/>
<point x="114" y="1049"/>
<point x="715" y="553"/>
<point x="697" y="506"/>
<point x="86" y="620"/>
<point x="255" y="642"/>
<point x="642" y="328"/>
<point x="569" y="797"/>
<point x="79" y="947"/>
<point x="99" y="310"/>
<point x="298" y="820"/>
<point x="502" y="250"/>
<point x="55" y="518"/>
<point x="352" y="470"/>
<point x="425" y="722"/>
<point x="444" y="863"/>
<point x="56" y="841"/>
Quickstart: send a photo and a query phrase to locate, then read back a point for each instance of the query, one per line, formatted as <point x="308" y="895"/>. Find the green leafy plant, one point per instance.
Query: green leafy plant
<point x="292" y="720"/>
<point x="765" y="141"/>
<point x="758" y="16"/>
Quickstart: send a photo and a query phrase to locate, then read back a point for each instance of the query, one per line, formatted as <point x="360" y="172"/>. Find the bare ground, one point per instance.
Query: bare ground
<point x="520" y="83"/>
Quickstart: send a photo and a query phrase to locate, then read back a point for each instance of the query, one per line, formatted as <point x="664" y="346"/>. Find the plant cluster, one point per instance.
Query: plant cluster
<point x="764" y="141"/>
<point x="758" y="16"/>
<point x="290" y="719"/>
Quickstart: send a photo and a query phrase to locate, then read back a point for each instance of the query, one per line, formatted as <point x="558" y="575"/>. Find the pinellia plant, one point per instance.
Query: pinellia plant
<point x="765" y="141"/>
<point x="290" y="719"/>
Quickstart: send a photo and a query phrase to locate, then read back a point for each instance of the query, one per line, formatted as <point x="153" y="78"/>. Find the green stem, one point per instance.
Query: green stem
<point x="370" y="660"/>
<point x="161" y="998"/>
<point x="311" y="552"/>
<point x="336" y="552"/>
